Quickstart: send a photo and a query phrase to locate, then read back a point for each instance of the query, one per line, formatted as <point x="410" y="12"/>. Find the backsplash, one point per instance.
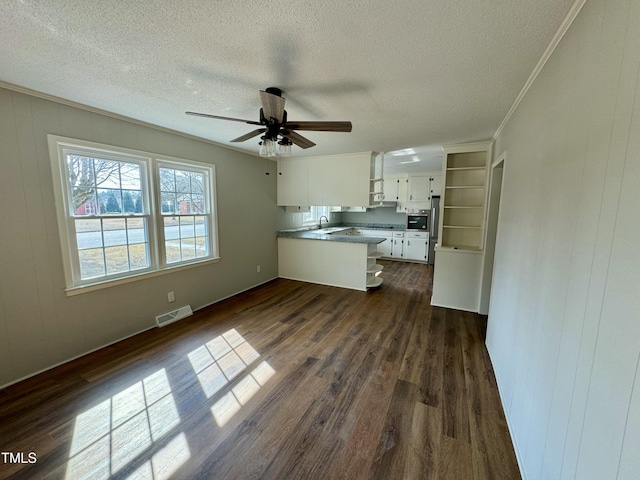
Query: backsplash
<point x="380" y="215"/>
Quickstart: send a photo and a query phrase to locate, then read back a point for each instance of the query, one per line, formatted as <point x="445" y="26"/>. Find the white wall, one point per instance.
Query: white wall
<point x="564" y="319"/>
<point x="39" y="325"/>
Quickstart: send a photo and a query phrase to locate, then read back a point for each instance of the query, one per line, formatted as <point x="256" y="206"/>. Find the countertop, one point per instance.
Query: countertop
<point x="311" y="233"/>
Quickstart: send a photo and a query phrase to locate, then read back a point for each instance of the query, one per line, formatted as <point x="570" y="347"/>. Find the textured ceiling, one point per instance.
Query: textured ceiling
<point x="408" y="74"/>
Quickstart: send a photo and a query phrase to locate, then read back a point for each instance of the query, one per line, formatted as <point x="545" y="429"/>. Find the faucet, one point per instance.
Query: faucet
<point x="320" y="221"/>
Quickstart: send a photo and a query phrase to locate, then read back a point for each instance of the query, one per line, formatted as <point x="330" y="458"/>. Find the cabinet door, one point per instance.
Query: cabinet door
<point x="292" y="182"/>
<point x="419" y="189"/>
<point x="416" y="247"/>
<point x="403" y="187"/>
<point x="435" y="185"/>
<point x="397" y="246"/>
<point x="390" y="189"/>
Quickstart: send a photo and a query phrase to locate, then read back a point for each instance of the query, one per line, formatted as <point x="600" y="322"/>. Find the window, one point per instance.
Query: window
<point x="123" y="213"/>
<point x="313" y="215"/>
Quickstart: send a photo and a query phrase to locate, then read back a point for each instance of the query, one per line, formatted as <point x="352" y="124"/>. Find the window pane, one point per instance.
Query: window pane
<point x="183" y="181"/>
<point x="138" y="256"/>
<point x="115" y="232"/>
<point x="171" y="228"/>
<point x="91" y="263"/>
<point x="107" y="173"/>
<point x="167" y="180"/>
<point x="197" y="203"/>
<point x="187" y="227"/>
<point x="184" y="203"/>
<point x="188" y="249"/>
<point x="202" y="247"/>
<point x="172" y="249"/>
<point x="110" y="201"/>
<point x="168" y="203"/>
<point x="88" y="234"/>
<point x="132" y="201"/>
<point x="130" y="176"/>
<point x="200" y="227"/>
<point x="117" y="259"/>
<point x="136" y="231"/>
<point x="197" y="183"/>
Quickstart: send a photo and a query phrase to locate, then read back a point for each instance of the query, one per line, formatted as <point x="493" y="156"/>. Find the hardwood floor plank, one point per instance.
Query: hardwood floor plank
<point x="286" y="380"/>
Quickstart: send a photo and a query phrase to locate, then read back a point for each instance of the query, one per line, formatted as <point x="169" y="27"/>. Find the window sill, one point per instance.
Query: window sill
<point x="92" y="287"/>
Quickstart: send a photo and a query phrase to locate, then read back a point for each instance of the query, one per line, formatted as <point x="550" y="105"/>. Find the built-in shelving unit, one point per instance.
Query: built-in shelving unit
<point x="465" y="179"/>
<point x="373" y="269"/>
<point x="457" y="275"/>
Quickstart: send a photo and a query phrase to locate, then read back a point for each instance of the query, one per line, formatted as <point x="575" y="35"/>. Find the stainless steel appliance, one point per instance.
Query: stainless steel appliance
<point x="434" y="228"/>
<point x="418" y="220"/>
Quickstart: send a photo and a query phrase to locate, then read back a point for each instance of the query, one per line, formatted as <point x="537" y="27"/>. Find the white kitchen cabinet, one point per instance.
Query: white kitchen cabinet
<point x="397" y="245"/>
<point x="419" y="192"/>
<point x="292" y="182"/>
<point x="416" y="246"/>
<point x="435" y="185"/>
<point x="395" y="190"/>
<point x="340" y="179"/>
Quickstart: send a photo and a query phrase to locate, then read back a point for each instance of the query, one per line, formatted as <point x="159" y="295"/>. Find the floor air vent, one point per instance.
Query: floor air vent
<point x="170" y="317"/>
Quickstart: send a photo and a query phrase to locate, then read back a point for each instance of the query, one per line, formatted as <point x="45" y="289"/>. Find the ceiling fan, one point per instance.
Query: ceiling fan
<point x="276" y="129"/>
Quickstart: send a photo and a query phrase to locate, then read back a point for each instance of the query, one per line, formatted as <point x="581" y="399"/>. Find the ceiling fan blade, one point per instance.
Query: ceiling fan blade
<point x="272" y="105"/>
<point x="320" y="126"/>
<point x="249" y="135"/>
<point x="298" y="139"/>
<point x="206" y="115"/>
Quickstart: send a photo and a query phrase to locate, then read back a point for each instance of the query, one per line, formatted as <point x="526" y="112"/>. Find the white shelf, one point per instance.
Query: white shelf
<point x="377" y="268"/>
<point x="375" y="254"/>
<point x="457" y="169"/>
<point x="374" y="282"/>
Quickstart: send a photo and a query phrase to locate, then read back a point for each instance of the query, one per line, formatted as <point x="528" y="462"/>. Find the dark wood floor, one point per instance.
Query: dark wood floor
<point x="287" y="381"/>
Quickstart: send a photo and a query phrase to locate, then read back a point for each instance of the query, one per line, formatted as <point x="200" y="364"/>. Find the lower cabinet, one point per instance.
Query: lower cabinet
<point x="416" y="246"/>
<point x="397" y="245"/>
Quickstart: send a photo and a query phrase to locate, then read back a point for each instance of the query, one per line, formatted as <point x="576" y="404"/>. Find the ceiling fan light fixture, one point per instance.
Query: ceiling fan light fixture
<point x="284" y="147"/>
<point x="268" y="148"/>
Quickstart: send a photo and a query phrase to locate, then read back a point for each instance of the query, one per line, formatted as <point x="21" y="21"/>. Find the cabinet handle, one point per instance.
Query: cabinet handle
<point x="410" y="197"/>
<point x="408" y="243"/>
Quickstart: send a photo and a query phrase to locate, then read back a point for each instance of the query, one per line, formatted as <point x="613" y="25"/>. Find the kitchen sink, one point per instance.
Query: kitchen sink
<point x="331" y="229"/>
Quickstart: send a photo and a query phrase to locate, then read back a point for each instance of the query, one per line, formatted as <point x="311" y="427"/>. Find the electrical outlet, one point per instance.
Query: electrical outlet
<point x="258" y="269"/>
<point x="171" y="297"/>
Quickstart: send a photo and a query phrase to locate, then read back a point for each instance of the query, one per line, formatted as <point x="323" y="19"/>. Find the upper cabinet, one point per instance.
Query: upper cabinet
<point x="463" y="205"/>
<point x="292" y="182"/>
<point x="329" y="180"/>
<point x="419" y="187"/>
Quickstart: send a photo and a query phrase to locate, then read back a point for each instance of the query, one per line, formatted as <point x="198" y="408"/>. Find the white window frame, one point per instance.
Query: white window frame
<point x="315" y="212"/>
<point x="150" y="186"/>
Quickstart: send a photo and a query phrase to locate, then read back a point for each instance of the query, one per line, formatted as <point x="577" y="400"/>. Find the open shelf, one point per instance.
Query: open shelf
<point x="377" y="268"/>
<point x="464" y="199"/>
<point x="374" y="282"/>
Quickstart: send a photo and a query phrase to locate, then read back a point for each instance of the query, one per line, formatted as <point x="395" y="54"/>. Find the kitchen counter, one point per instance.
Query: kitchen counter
<point x="329" y="256"/>
<point x="331" y="234"/>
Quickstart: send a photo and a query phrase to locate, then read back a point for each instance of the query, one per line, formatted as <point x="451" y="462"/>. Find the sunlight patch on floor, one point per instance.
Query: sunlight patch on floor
<point x="116" y="432"/>
<point x="219" y="361"/>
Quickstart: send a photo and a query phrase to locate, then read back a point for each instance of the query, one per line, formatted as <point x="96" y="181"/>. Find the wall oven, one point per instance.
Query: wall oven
<point x="418" y="220"/>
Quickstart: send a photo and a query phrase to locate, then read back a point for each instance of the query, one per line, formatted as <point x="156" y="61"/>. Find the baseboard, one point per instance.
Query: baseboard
<point x="123" y="338"/>
<point x="506" y="416"/>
